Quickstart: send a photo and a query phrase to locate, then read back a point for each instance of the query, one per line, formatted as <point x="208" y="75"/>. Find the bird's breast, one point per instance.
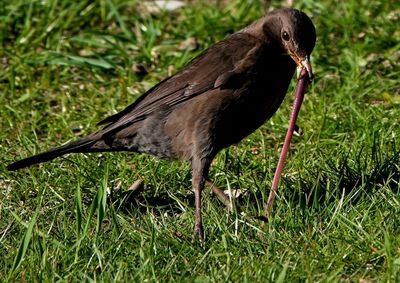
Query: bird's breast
<point x="223" y="116"/>
<point x="254" y="103"/>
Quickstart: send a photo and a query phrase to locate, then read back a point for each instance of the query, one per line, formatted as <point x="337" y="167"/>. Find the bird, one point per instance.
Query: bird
<point x="215" y="100"/>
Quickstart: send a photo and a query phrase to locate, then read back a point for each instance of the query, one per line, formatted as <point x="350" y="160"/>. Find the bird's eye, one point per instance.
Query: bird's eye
<point x="285" y="36"/>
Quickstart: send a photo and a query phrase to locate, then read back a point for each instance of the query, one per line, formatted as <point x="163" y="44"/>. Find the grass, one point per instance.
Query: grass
<point x="65" y="65"/>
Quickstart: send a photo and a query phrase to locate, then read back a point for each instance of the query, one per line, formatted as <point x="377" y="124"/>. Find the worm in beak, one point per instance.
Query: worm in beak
<point x="305" y="63"/>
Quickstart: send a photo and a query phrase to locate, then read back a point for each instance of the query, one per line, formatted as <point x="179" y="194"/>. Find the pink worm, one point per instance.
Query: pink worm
<point x="300" y="90"/>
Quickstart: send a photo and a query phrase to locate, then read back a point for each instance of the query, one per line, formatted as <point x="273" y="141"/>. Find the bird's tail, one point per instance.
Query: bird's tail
<point x="82" y="145"/>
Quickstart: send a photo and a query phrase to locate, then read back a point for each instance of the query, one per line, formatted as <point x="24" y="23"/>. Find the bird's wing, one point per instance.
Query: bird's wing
<point x="214" y="68"/>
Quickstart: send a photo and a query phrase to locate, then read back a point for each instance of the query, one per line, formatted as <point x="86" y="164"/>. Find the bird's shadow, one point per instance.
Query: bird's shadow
<point x="355" y="176"/>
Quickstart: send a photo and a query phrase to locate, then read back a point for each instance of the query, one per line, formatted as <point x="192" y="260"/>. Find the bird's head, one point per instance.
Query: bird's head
<point x="295" y="32"/>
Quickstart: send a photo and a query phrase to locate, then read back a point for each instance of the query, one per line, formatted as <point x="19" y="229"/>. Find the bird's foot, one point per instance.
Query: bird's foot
<point x="198" y="233"/>
<point x="224" y="198"/>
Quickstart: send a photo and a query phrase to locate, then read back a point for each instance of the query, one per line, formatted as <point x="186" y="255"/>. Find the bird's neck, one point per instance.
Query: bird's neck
<point x="255" y="29"/>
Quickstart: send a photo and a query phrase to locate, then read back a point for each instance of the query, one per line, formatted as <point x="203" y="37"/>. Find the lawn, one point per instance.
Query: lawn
<point x="65" y="65"/>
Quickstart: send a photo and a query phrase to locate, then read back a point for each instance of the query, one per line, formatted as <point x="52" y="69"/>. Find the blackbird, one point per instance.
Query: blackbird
<point x="214" y="101"/>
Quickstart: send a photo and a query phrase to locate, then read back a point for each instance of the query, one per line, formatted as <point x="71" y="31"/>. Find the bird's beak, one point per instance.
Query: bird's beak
<point x="303" y="63"/>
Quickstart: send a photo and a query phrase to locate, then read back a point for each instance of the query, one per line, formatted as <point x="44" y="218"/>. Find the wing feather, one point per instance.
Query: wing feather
<point x="196" y="77"/>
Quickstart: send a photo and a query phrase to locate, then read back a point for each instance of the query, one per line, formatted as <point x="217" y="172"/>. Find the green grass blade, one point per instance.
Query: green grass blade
<point x="24" y="244"/>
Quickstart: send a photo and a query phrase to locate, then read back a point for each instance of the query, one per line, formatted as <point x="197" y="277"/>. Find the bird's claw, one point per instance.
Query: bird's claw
<point x="198" y="234"/>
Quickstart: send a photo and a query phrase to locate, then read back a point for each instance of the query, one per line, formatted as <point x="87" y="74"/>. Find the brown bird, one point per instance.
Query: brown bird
<point x="217" y="99"/>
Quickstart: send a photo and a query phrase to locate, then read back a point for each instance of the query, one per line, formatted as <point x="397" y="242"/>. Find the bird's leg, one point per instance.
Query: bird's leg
<point x="199" y="171"/>
<point x="220" y="194"/>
